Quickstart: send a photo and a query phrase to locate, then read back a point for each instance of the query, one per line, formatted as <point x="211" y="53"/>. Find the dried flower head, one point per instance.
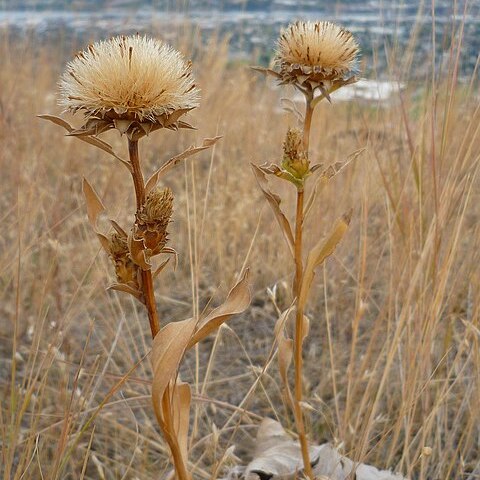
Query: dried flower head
<point x="131" y="83"/>
<point x="153" y="219"/>
<point x="315" y="53"/>
<point x="125" y="270"/>
<point x="295" y="158"/>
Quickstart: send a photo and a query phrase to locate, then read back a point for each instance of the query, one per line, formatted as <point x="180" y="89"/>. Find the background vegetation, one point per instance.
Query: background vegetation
<point x="393" y="374"/>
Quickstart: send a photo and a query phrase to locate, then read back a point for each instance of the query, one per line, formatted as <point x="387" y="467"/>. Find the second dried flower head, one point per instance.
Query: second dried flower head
<point x="315" y="54"/>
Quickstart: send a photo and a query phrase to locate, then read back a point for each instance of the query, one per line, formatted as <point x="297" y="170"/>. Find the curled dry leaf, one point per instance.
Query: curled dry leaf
<point x="153" y="180"/>
<point x="274" y="201"/>
<point x="326" y="175"/>
<point x="171" y="399"/>
<point x="277" y="456"/>
<point x="319" y="253"/>
<point x="94" y="208"/>
<point x="138" y="253"/>
<point x="237" y="301"/>
<point x="285" y="355"/>
<point x="96" y="142"/>
<point x="124" y="287"/>
<point x="94" y="205"/>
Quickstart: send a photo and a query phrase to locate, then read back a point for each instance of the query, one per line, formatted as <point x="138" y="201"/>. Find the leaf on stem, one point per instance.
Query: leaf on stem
<point x="285" y="354"/>
<point x="327" y="174"/>
<point x="319" y="253"/>
<point x="155" y="177"/>
<point x="96" y="142"/>
<point x="182" y="397"/>
<point x="124" y="287"/>
<point x="237" y="301"/>
<point x="267" y="71"/>
<point x="94" y="205"/>
<point x="285" y="350"/>
<point x="171" y="399"/>
<point x="138" y="252"/>
<point x="169" y="346"/>
<point x="274" y="201"/>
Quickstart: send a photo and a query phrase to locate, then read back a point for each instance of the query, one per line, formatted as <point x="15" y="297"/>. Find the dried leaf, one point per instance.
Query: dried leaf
<point x="168" y="349"/>
<point x="118" y="229"/>
<point x="274" y="202"/>
<point x="291" y="107"/>
<point x="182" y="397"/>
<point x="267" y="71"/>
<point x="123" y="287"/>
<point x="104" y="241"/>
<point x="278" y="457"/>
<point x="160" y="268"/>
<point x="94" y="205"/>
<point x="323" y="249"/>
<point x="153" y="180"/>
<point x="138" y="253"/>
<point x="57" y="121"/>
<point x="330" y="172"/>
<point x="96" y="142"/>
<point x="285" y="354"/>
<point x="237" y="301"/>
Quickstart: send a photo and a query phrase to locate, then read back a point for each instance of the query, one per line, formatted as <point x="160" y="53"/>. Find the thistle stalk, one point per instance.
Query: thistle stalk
<point x="147" y="279"/>
<point x="299" y="331"/>
<point x="151" y="306"/>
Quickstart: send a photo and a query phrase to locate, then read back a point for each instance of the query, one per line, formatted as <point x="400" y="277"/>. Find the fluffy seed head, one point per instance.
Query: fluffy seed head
<point x="134" y="78"/>
<point x="319" y="50"/>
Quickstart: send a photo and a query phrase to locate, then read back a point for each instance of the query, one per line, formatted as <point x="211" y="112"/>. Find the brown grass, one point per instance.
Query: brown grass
<point x="393" y="355"/>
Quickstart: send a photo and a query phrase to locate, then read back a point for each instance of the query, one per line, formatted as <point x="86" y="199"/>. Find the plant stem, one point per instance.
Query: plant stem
<point x="299" y="331"/>
<point x="147" y="279"/>
<point x="307" y="122"/>
<point x="181" y="471"/>
<point x="299" y="334"/>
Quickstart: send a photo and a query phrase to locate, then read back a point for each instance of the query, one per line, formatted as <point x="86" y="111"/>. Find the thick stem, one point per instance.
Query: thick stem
<point x="299" y="334"/>
<point x="147" y="280"/>
<point x="150" y="304"/>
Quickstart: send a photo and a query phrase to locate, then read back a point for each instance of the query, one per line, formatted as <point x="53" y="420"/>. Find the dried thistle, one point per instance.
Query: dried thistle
<point x="135" y="84"/>
<point x="310" y="56"/>
<point x="295" y="158"/>
<point x="153" y="218"/>
<point x="315" y="54"/>
<point x="126" y="271"/>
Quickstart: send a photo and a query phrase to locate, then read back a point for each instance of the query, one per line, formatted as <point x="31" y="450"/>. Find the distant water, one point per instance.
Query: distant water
<point x="252" y="25"/>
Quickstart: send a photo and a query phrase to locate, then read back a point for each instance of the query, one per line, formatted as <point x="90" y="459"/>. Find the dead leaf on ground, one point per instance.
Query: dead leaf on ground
<point x="278" y="457"/>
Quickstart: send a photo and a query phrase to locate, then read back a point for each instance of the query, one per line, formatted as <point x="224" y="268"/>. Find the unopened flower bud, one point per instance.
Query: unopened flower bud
<point x="295" y="159"/>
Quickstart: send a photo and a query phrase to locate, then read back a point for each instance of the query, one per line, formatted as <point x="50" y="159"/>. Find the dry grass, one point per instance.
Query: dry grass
<point x="393" y="356"/>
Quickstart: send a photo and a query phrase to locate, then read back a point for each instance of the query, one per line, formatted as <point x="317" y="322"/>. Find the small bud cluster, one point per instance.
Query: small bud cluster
<point x="152" y="220"/>
<point x="125" y="270"/>
<point x="295" y="159"/>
